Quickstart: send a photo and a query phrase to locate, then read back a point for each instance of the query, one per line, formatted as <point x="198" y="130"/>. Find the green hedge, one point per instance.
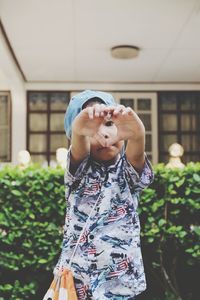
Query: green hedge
<point x="169" y="213"/>
<point x="32" y="213"/>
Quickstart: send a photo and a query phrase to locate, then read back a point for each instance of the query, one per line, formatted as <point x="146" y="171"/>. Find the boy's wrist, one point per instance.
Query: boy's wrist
<point x="76" y="130"/>
<point x="138" y="134"/>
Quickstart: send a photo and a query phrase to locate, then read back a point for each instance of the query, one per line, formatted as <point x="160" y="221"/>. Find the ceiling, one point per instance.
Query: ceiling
<point x="70" y="40"/>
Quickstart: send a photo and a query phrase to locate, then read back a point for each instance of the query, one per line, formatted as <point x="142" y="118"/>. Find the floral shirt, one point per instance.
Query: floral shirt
<point x="108" y="262"/>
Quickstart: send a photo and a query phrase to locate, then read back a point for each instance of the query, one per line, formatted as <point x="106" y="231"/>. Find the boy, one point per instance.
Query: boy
<point x="101" y="242"/>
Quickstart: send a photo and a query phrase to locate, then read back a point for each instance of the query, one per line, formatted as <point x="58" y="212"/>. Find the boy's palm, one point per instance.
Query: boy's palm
<point x="129" y="125"/>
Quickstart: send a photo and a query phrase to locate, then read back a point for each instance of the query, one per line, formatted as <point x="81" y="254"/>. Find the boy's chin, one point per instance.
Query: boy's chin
<point x="105" y="155"/>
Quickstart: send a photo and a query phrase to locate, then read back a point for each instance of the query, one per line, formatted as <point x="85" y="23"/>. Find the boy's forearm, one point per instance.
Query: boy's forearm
<point x="80" y="148"/>
<point x="135" y="152"/>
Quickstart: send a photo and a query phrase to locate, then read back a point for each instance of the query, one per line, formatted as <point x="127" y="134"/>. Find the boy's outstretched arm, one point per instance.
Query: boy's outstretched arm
<point x="80" y="147"/>
<point x="131" y="129"/>
<point x="135" y="152"/>
<point x="84" y="126"/>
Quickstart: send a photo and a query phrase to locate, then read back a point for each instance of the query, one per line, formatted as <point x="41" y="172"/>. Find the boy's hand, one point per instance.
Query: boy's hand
<point x="129" y="125"/>
<point x="88" y="122"/>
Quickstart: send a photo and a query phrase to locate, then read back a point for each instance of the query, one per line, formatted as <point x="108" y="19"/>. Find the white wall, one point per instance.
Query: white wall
<point x="11" y="80"/>
<point x="113" y="86"/>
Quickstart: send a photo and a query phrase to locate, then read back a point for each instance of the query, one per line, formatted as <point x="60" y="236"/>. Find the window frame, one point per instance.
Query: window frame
<point x="136" y="95"/>
<point x="8" y="94"/>
<point x="179" y="113"/>
<point x="48" y="133"/>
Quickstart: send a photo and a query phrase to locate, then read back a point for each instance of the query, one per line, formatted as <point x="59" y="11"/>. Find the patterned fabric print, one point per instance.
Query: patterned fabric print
<point x="108" y="262"/>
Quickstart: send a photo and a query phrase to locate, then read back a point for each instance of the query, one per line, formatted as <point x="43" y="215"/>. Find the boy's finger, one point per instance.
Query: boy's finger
<point x="97" y="110"/>
<point x="119" y="109"/>
<point x="104" y="110"/>
<point x="101" y="108"/>
<point x="127" y="110"/>
<point x="90" y="112"/>
<point x="109" y="109"/>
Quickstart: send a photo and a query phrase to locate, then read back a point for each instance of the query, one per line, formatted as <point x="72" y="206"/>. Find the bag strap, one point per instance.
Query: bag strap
<point x="82" y="231"/>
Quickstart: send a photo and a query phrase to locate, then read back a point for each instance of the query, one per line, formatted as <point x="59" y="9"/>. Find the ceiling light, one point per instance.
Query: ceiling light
<point x="125" y="51"/>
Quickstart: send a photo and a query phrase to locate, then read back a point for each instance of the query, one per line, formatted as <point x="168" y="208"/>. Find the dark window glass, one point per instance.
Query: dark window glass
<point x="127" y="102"/>
<point x="5" y="127"/>
<point x="58" y="101"/>
<point x="168" y="122"/>
<point x="56" y="122"/>
<point x="143" y="104"/>
<point x="179" y="121"/>
<point x="167" y="101"/>
<point x="38" y="121"/>
<point x="38" y="143"/>
<point x="146" y="119"/>
<point x="148" y="142"/>
<point x="38" y="101"/>
<point x="57" y="141"/>
<point x="166" y="140"/>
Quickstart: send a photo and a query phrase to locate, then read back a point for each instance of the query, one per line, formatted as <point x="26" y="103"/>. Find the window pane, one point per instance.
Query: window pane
<point x="164" y="158"/>
<point x="127" y="102"/>
<point x="57" y="122"/>
<point x="148" y="146"/>
<point x="38" y="143"/>
<point x="188" y="102"/>
<point x="166" y="140"/>
<point x="3" y="110"/>
<point x="59" y="101"/>
<point x="144" y="104"/>
<point x="190" y="142"/>
<point x="38" y="122"/>
<point x="53" y="161"/>
<point x="4" y="149"/>
<point x="41" y="159"/>
<point x="169" y="122"/>
<point x="38" y="101"/>
<point x="188" y="122"/>
<point x="57" y="141"/>
<point x="168" y="102"/>
<point x="146" y="119"/>
<point x="191" y="157"/>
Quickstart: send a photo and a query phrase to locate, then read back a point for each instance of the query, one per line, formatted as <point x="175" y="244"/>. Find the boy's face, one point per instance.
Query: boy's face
<point x="109" y="130"/>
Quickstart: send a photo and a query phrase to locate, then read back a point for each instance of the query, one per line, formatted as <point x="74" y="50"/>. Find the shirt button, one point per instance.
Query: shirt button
<point x="91" y="236"/>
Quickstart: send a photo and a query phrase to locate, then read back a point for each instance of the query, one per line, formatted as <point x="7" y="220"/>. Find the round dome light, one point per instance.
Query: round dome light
<point x="125" y="51"/>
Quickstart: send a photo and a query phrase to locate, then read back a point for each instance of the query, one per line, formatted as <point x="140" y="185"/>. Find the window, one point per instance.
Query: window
<point x="45" y="124"/>
<point x="179" y="121"/>
<point x="5" y="127"/>
<point x="145" y="105"/>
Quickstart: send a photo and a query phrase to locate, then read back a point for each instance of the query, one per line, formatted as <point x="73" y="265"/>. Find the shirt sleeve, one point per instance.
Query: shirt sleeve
<point x="136" y="181"/>
<point x="70" y="178"/>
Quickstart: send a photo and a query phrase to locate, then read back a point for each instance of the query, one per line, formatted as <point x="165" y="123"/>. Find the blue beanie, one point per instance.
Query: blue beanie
<point x="76" y="105"/>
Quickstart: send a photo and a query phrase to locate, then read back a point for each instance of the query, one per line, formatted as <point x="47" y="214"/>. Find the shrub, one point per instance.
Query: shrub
<point x="32" y="211"/>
